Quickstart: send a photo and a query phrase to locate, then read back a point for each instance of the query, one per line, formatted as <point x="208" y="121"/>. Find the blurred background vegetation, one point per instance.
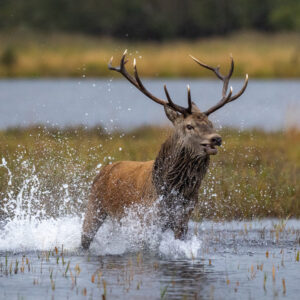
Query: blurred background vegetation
<point x="151" y="19"/>
<point x="256" y="173"/>
<point x="53" y="38"/>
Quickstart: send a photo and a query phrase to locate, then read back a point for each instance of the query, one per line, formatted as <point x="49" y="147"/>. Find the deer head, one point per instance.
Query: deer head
<point x="193" y="129"/>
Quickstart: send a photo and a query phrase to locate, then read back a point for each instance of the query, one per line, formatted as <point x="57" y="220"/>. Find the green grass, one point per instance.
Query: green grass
<point x="27" y="54"/>
<point x="255" y="174"/>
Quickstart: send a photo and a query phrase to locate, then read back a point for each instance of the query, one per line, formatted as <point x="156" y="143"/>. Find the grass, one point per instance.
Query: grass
<point x="255" y="174"/>
<point x="270" y="270"/>
<point x="25" y="54"/>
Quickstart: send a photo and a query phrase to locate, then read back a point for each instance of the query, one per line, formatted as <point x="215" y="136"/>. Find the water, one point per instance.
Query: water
<point x="40" y="225"/>
<point x="267" y="104"/>
<point x="231" y="260"/>
<point x="41" y="257"/>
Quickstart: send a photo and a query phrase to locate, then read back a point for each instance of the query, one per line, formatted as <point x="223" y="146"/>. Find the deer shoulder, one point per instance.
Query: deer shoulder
<point x="173" y="179"/>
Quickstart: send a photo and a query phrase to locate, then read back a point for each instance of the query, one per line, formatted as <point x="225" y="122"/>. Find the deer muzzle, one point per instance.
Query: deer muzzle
<point x="212" y="142"/>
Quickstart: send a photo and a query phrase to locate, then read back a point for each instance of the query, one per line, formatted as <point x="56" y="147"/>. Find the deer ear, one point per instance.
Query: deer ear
<point x="195" y="108"/>
<point x="171" y="113"/>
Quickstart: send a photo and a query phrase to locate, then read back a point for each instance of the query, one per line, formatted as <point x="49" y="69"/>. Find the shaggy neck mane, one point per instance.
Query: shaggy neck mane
<point x="178" y="169"/>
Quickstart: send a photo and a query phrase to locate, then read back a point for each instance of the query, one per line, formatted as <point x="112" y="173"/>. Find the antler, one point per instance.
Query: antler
<point x="225" y="98"/>
<point x="136" y="81"/>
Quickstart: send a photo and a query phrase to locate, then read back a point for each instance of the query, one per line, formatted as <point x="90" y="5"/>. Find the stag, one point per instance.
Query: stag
<point x="174" y="177"/>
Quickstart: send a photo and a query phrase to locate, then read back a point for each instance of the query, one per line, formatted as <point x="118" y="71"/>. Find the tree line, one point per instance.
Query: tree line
<point x="151" y="19"/>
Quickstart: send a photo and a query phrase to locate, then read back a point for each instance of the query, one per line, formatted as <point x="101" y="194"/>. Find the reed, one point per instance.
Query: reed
<point x="62" y="55"/>
<point x="255" y="174"/>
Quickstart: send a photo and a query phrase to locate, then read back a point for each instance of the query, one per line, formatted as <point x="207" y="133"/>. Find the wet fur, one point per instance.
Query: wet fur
<point x="174" y="177"/>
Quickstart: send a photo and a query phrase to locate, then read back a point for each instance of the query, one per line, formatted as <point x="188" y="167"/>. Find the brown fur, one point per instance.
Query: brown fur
<point x="174" y="177"/>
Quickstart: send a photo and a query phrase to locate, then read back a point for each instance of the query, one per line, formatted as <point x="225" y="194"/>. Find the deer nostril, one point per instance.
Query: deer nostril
<point x="216" y="140"/>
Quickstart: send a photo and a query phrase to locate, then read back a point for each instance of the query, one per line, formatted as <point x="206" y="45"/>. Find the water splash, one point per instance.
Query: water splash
<point x="34" y="234"/>
<point x="30" y="194"/>
<point x="4" y="165"/>
<point x="34" y="219"/>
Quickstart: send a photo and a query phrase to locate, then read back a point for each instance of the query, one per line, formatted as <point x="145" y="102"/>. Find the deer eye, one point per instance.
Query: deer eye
<point x="189" y="127"/>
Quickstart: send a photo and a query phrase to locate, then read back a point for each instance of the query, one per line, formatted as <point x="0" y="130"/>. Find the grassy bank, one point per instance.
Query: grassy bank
<point x="255" y="174"/>
<point x="24" y="54"/>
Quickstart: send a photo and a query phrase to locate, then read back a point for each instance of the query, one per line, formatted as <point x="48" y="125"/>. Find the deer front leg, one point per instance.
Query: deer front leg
<point x="181" y="229"/>
<point x="93" y="219"/>
<point x="181" y="225"/>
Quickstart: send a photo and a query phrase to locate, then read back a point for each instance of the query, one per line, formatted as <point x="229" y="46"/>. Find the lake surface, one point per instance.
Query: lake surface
<point x="267" y="104"/>
<point x="40" y="256"/>
<point x="231" y="260"/>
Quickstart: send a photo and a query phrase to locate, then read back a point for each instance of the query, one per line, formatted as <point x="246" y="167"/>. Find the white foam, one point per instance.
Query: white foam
<point x="33" y="234"/>
<point x="113" y="238"/>
<point x="174" y="248"/>
<point x="132" y="233"/>
<point x="29" y="227"/>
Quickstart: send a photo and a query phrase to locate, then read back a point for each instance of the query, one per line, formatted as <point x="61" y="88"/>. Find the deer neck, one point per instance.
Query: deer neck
<point x="177" y="170"/>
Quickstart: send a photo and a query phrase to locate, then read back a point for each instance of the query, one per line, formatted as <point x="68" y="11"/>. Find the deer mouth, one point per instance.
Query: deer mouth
<point x="210" y="149"/>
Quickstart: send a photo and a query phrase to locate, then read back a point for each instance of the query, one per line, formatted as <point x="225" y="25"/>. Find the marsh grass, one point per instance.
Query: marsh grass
<point x="106" y="277"/>
<point x="255" y="174"/>
<point x="27" y="54"/>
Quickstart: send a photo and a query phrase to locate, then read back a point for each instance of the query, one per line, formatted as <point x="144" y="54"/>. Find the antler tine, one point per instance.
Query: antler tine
<point x="242" y="90"/>
<point x="227" y="77"/>
<point x="225" y="99"/>
<point x="122" y="70"/>
<point x="142" y="87"/>
<point x="136" y="81"/>
<point x="123" y="61"/>
<point x="231" y="67"/>
<point x="221" y="103"/>
<point x="168" y="96"/>
<point x="215" y="70"/>
<point x="178" y="108"/>
<point x="190" y="104"/>
<point x="229" y="98"/>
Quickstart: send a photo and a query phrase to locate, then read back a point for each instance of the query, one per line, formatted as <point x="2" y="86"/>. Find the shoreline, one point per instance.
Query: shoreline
<point x="60" y="55"/>
<point x="255" y="173"/>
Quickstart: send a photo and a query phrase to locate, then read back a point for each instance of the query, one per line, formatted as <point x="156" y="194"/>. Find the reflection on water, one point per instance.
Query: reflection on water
<point x="269" y="104"/>
<point x="186" y="278"/>
<point x="254" y="259"/>
<point x="40" y="256"/>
